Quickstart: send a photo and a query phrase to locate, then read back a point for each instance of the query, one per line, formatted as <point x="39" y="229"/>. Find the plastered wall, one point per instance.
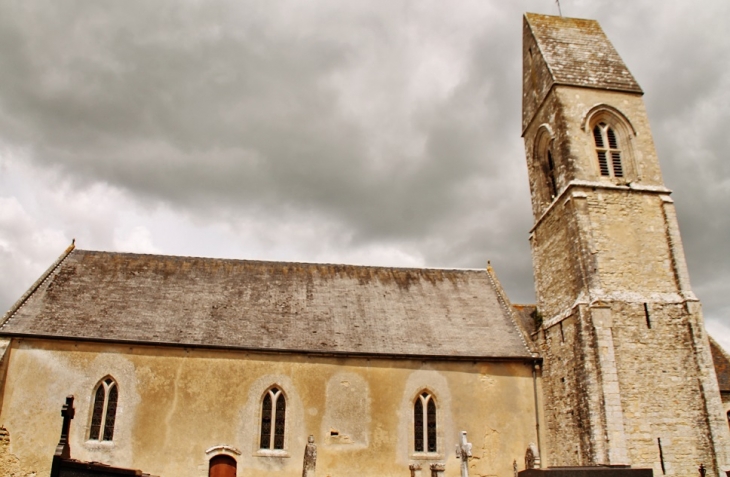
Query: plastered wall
<point x="175" y="404"/>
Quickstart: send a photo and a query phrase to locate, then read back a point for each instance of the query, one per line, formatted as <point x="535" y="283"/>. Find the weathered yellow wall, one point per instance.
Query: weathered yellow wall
<point x="175" y="403"/>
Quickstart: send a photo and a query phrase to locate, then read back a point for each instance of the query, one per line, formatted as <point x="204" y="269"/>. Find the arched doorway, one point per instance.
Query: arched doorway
<point x="222" y="466"/>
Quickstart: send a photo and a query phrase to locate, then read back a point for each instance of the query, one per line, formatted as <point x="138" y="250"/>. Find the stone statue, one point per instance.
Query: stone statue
<point x="310" y="458"/>
<point x="532" y="457"/>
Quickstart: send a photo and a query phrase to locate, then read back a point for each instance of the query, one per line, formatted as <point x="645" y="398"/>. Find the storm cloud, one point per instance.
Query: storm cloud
<point x="383" y="132"/>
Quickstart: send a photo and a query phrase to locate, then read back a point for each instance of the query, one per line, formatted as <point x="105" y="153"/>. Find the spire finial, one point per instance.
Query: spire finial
<point x="559" y="10"/>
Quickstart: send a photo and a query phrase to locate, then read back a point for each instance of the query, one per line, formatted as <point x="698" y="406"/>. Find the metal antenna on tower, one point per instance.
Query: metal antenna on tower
<point x="559" y="10"/>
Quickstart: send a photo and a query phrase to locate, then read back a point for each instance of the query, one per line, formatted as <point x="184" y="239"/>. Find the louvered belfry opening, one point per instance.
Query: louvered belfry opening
<point x="104" y="412"/>
<point x="273" y="418"/>
<point x="608" y="151"/>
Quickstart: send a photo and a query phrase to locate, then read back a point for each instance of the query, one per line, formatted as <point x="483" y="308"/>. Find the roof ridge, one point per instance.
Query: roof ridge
<point x="507" y="306"/>
<point x="21" y="301"/>
<point x="285" y="262"/>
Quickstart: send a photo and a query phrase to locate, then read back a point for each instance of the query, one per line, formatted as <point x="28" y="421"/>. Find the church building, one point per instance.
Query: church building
<point x="194" y="367"/>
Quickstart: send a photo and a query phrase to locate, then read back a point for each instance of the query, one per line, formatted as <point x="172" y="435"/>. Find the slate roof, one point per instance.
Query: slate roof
<point x="578" y="53"/>
<point x="722" y="365"/>
<point x="259" y="305"/>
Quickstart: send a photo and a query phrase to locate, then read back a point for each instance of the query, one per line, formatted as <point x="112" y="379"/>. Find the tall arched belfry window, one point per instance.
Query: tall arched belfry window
<point x="608" y="150"/>
<point x="273" y="419"/>
<point x="546" y="165"/>
<point x="424" y="423"/>
<point x="104" y="411"/>
<point x="552" y="182"/>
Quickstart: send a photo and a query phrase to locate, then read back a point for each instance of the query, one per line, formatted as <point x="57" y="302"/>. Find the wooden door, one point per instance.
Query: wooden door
<point x="222" y="466"/>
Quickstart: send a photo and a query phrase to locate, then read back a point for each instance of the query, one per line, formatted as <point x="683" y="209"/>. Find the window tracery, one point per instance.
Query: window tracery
<point x="612" y="133"/>
<point x="104" y="411"/>
<point x="273" y="420"/>
<point x="607" y="150"/>
<point x="424" y="423"/>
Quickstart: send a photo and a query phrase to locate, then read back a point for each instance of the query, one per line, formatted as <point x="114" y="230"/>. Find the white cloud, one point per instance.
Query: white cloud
<point x="384" y="132"/>
<point x="138" y="240"/>
<point x="720" y="331"/>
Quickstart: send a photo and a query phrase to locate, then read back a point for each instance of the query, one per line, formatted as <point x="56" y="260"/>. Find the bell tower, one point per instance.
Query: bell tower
<point x="628" y="376"/>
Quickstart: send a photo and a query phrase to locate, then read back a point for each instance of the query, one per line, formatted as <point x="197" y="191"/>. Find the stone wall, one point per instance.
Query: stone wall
<point x="627" y="361"/>
<point x="565" y="400"/>
<point x="175" y="404"/>
<point x="660" y="390"/>
<point x="663" y="401"/>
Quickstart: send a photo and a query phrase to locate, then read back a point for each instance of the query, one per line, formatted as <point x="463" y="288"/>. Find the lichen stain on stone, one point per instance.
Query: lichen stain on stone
<point x="9" y="463"/>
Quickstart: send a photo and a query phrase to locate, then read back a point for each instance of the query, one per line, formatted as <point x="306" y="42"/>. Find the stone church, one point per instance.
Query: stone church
<point x="187" y="367"/>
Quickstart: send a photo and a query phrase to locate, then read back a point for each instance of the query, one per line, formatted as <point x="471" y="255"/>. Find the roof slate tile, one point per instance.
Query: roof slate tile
<point x="578" y="53"/>
<point x="270" y="306"/>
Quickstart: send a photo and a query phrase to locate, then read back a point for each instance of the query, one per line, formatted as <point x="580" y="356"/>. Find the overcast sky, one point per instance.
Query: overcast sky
<point x="370" y="132"/>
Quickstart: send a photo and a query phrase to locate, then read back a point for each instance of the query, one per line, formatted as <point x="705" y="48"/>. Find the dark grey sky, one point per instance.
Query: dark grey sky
<point x="379" y="132"/>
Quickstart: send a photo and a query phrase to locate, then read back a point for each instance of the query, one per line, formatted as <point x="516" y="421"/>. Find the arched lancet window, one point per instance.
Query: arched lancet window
<point x="547" y="165"/>
<point x="551" y="172"/>
<point x="273" y="419"/>
<point x="424" y="423"/>
<point x="608" y="150"/>
<point x="104" y="411"/>
<point x="222" y="466"/>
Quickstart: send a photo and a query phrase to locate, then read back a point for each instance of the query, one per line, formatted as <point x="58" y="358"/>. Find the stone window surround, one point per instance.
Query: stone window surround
<point x="102" y="443"/>
<point x="262" y="452"/>
<point x="544" y="145"/>
<point x="624" y="131"/>
<point x="425" y="455"/>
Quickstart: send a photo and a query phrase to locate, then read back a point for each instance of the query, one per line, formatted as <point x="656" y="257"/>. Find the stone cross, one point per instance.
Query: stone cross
<point x="463" y="452"/>
<point x="310" y="458"/>
<point x="63" y="449"/>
